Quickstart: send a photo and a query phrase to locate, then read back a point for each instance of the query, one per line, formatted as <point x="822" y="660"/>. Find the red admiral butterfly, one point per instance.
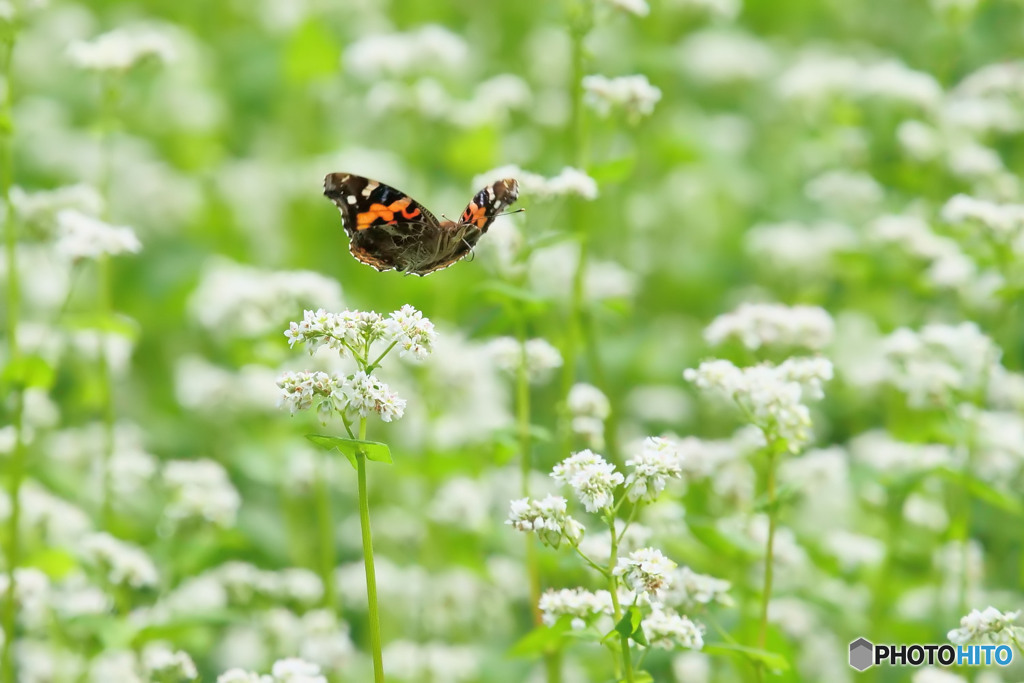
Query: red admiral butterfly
<point x="388" y="230"/>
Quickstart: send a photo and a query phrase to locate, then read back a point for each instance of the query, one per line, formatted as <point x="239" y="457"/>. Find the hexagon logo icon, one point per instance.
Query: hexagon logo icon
<point x="861" y="654"/>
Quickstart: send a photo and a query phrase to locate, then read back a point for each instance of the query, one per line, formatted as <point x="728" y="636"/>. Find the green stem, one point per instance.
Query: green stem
<point x="766" y="594"/>
<point x="371" y="579"/>
<point x="326" y="529"/>
<point x="16" y="473"/>
<point x="613" y="588"/>
<point x="579" y="25"/>
<point x="525" y="446"/>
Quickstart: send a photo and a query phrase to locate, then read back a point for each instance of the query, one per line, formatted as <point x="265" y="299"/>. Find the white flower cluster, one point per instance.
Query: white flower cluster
<point x="284" y="671"/>
<point x="646" y="571"/>
<point x="570" y="182"/>
<point x="247" y="301"/>
<point x="949" y="266"/>
<point x="491" y="102"/>
<point x="987" y="626"/>
<point x="633" y="94"/>
<point x="690" y="589"/>
<point x="819" y="77"/>
<point x="1004" y="222"/>
<point x="668" y="630"/>
<point x="589" y="408"/>
<point x="40" y="207"/>
<point x="772" y="396"/>
<point x="163" y="664"/>
<point x="122" y="48"/>
<point x="539" y="357"/>
<point x="847" y="190"/>
<point x="939" y="362"/>
<point x="798" y="248"/>
<point x="200" y="489"/>
<point x="244" y="583"/>
<point x="432" y="661"/>
<point x="584" y="606"/>
<point x="726" y="56"/>
<point x="879" y="451"/>
<point x="427" y="48"/>
<point x="81" y="236"/>
<point x="123" y="563"/>
<point x="549" y="518"/>
<point x="658" y="461"/>
<point x="358" y="395"/>
<point x="757" y="325"/>
<point x="715" y="9"/>
<point x="353" y="332"/>
<point x="591" y="477"/>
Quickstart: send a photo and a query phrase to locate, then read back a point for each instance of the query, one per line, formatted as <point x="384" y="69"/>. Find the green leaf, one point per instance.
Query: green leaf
<point x="114" y="323"/>
<point x="543" y="639"/>
<point x="373" y="450"/>
<point x="311" y="53"/>
<point x="729" y="545"/>
<point x="982" y="490"/>
<point x="772" y="660"/>
<point x="29" y="372"/>
<point x="640" y="677"/>
<point x="629" y="626"/>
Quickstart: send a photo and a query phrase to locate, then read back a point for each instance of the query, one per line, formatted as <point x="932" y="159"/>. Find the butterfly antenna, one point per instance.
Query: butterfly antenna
<point x="509" y="213"/>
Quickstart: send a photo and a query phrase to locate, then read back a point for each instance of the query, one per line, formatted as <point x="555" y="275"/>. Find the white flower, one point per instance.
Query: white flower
<point x="300" y="389"/>
<point x="570" y="182"/>
<point x="690" y="589"/>
<point x="426" y="48"/>
<point x="41" y="207"/>
<point x="354" y="331"/>
<point x="124" y="564"/>
<point x="771" y="395"/>
<point x="586" y="400"/>
<point x="539" y="357"/>
<point x="81" y="236"/>
<point x="432" y="661"/>
<point x="161" y="663"/>
<point x="583" y="605"/>
<point x="245" y="301"/>
<point x="846" y="190"/>
<point x="817" y="77"/>
<point x="366" y="394"/>
<point x="295" y="670"/>
<point x="797" y="248"/>
<point x="950" y="267"/>
<point x="658" y="460"/>
<point x="637" y="7"/>
<point x="719" y="9"/>
<point x="634" y="94"/>
<point x="726" y="56"/>
<point x="201" y="489"/>
<point x="591" y="477"/>
<point x="668" y="630"/>
<point x="939" y="362"/>
<point x="1002" y="222"/>
<point x="645" y="571"/>
<point x="548" y="517"/>
<point x="855" y="551"/>
<point x="412" y="332"/>
<point x="122" y="48"/>
<point x="757" y="325"/>
<point x="988" y="626"/>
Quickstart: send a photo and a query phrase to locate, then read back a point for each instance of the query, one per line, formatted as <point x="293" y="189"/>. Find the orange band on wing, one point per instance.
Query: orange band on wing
<point x="386" y="213"/>
<point x="477" y="215"/>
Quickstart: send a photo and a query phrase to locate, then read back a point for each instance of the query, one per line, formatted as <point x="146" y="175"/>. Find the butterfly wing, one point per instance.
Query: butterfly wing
<point x="381" y="222"/>
<point x="489" y="202"/>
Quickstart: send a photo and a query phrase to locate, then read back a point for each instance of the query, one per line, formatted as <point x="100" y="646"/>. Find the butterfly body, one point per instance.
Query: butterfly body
<point x="389" y="230"/>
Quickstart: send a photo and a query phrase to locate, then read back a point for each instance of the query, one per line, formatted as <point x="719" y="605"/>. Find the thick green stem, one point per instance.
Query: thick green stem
<point x="325" y="526"/>
<point x="613" y="588"/>
<point x="16" y="473"/>
<point x="371" y="578"/>
<point x="525" y="465"/>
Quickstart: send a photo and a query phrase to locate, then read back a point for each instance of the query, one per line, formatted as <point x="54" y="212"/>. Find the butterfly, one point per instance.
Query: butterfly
<point x="389" y="230"/>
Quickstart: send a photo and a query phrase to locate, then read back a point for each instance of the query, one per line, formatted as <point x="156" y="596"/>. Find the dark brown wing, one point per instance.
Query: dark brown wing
<point x="382" y="223"/>
<point x="489" y="202"/>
